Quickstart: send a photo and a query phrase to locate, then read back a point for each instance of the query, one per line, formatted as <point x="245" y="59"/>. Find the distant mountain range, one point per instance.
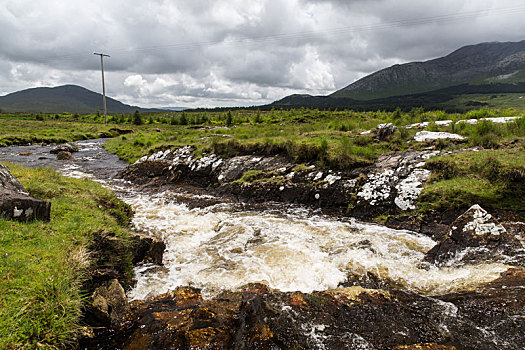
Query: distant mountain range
<point x="66" y="98"/>
<point x="476" y="69"/>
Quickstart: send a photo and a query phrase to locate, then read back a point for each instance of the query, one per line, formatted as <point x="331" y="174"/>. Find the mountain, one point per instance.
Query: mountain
<point x="482" y="69"/>
<point x="475" y="64"/>
<point x="66" y="98"/>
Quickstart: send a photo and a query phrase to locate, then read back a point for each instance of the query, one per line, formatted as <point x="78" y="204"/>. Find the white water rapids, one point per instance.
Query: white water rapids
<point x="294" y="250"/>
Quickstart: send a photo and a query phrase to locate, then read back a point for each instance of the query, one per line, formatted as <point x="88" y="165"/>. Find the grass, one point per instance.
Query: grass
<point x="497" y="100"/>
<point x="18" y="130"/>
<point x="491" y="178"/>
<point x="330" y="139"/>
<point x="44" y="265"/>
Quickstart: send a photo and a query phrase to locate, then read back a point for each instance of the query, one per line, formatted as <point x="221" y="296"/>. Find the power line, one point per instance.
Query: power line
<point x="314" y="34"/>
<point x="342" y="30"/>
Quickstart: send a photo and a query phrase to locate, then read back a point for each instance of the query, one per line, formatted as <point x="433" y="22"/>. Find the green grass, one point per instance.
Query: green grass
<point x="492" y="178"/>
<point x="330" y="139"/>
<point x="44" y="265"/>
<point x="496" y="100"/>
<point x="16" y="130"/>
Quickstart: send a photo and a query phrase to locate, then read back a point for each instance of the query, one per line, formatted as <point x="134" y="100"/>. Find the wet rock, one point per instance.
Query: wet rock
<point x="431" y="223"/>
<point x="274" y="178"/>
<point x="108" y="304"/>
<point x="64" y="155"/>
<point x="25" y="154"/>
<point x="257" y="317"/>
<point x="147" y="171"/>
<point x="147" y="249"/>
<point x="476" y="236"/>
<point x="16" y="204"/>
<point x="383" y="131"/>
<point x="65" y="147"/>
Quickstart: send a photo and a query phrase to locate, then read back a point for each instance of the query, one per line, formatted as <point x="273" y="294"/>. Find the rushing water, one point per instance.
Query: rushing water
<point x="289" y="248"/>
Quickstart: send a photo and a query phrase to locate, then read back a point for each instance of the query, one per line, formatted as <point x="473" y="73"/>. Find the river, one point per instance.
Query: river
<point x="224" y="245"/>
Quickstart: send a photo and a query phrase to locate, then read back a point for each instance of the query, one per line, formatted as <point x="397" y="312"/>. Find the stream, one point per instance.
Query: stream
<point x="224" y="245"/>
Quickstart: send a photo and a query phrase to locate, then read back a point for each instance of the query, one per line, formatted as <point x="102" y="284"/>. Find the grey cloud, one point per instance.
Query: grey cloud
<point x="206" y="52"/>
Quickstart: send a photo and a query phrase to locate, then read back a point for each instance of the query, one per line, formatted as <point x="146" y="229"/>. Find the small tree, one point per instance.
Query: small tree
<point x="137" y="118"/>
<point x="229" y="118"/>
<point x="183" y="119"/>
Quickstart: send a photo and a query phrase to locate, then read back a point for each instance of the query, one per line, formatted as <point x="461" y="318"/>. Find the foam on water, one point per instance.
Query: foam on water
<point x="220" y="248"/>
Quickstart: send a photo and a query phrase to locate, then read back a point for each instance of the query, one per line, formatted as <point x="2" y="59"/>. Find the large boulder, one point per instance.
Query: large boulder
<point x="476" y="236"/>
<point x="16" y="204"/>
<point x="108" y="304"/>
<point x="147" y="249"/>
<point x="383" y="131"/>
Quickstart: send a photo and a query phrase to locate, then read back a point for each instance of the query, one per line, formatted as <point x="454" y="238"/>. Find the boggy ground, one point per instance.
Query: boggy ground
<point x="490" y="317"/>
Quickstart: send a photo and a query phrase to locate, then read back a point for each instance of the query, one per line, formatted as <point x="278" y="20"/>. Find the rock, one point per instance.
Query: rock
<point x="16" y="204"/>
<point x="25" y="153"/>
<point x="424" y="135"/>
<point x="65" y="147"/>
<point x="64" y="155"/>
<point x="147" y="249"/>
<point x="8" y="182"/>
<point x="257" y="317"/>
<point x="383" y="131"/>
<point x="222" y="176"/>
<point x="476" y="236"/>
<point x="393" y="184"/>
<point x="425" y="346"/>
<point x="108" y="304"/>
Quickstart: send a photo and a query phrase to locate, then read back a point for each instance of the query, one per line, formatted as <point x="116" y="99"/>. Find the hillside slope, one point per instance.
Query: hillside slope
<point x="484" y="63"/>
<point x="66" y="98"/>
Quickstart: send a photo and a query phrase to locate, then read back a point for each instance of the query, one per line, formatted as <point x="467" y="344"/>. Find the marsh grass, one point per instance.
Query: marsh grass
<point x="44" y="265"/>
<point x="491" y="178"/>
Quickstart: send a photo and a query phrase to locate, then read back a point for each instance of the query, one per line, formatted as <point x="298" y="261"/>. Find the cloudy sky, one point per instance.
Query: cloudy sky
<point x="233" y="52"/>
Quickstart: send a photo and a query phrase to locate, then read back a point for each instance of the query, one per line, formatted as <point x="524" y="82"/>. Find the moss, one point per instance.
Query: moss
<point x="300" y="168"/>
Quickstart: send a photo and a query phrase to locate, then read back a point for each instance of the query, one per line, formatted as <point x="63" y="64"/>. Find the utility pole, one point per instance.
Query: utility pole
<point x="103" y="85"/>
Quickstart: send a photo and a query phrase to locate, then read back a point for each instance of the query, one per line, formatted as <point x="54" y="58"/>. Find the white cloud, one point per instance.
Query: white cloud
<point x="241" y="52"/>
